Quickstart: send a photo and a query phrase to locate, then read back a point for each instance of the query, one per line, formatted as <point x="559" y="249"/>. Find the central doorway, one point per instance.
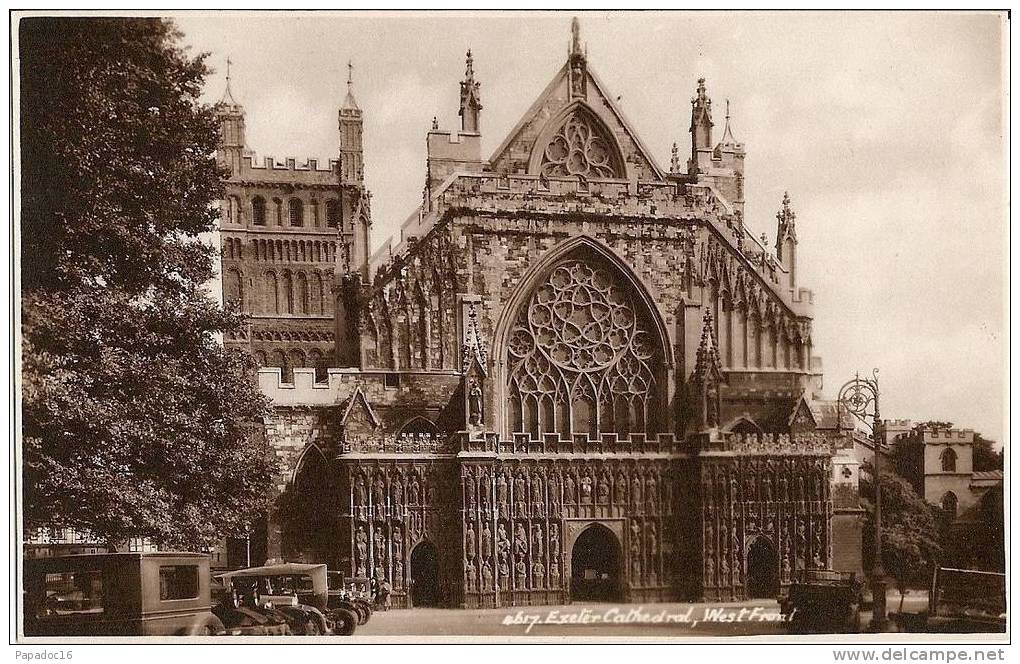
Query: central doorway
<point x="424" y="575"/>
<point x="595" y="566"/>
<point x="762" y="570"/>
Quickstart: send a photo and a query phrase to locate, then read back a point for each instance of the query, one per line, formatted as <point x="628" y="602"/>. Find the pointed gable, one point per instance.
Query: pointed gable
<point x="358" y="417"/>
<point x="575" y="112"/>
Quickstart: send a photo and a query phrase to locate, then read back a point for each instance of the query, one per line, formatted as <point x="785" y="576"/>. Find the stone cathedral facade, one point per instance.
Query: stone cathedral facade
<point x="574" y="374"/>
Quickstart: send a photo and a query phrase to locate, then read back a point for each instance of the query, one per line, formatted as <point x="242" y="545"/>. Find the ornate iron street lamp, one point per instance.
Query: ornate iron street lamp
<point x="860" y="397"/>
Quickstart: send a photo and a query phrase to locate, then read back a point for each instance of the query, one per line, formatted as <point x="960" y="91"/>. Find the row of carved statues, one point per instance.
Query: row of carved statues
<point x="767" y="480"/>
<point x="539" y="492"/>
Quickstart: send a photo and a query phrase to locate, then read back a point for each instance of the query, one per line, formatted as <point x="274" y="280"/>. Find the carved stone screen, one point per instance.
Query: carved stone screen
<point x="581" y="147"/>
<point x="583" y="357"/>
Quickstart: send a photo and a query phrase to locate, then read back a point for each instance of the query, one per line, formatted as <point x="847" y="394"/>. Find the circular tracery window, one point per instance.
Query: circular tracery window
<point x="579" y="148"/>
<point x="581" y="357"/>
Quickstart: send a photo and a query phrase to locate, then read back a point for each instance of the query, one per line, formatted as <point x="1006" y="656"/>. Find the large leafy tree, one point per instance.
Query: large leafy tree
<point x="910" y="533"/>
<point x="136" y="421"/>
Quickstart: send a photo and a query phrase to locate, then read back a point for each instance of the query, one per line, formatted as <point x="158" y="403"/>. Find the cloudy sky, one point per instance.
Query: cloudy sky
<point x="886" y="129"/>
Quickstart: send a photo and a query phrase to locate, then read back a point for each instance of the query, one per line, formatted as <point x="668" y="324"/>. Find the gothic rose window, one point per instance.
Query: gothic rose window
<point x="581" y="147"/>
<point x="582" y="357"/>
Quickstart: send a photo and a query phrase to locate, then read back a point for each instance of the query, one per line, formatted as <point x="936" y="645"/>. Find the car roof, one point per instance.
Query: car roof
<point x="273" y="570"/>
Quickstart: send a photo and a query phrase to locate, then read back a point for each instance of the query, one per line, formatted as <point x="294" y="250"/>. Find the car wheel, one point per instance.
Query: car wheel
<point x="346" y="622"/>
<point x="312" y="627"/>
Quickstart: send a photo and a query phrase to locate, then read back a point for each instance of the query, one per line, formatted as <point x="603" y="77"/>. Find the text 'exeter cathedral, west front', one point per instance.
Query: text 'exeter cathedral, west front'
<point x="574" y="375"/>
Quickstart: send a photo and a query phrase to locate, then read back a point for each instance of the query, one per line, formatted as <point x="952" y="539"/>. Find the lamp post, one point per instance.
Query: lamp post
<point x="860" y="398"/>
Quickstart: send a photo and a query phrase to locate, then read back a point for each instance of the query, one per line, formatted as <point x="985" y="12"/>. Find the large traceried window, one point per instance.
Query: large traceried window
<point x="583" y="356"/>
<point x="581" y="146"/>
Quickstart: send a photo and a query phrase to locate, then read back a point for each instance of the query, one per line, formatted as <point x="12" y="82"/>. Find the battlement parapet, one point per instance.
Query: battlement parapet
<point x="304" y="390"/>
<point x="948" y="435"/>
<point x="290" y="164"/>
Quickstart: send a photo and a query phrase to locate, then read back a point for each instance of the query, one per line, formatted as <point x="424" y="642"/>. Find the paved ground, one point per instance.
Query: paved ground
<point x="582" y="619"/>
<point x="756" y="617"/>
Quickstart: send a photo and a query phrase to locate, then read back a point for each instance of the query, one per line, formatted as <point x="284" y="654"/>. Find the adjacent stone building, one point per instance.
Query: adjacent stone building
<point x="573" y="375"/>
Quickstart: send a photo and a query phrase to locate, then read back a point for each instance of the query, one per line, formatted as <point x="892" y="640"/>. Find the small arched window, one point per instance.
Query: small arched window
<point x="233" y="209"/>
<point x="333" y="213"/>
<point x="297" y="212"/>
<point x="949" y="461"/>
<point x="950" y="504"/>
<point x="258" y="211"/>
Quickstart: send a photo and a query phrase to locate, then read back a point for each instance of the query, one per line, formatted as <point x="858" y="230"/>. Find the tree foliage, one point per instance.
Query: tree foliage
<point x="910" y="533"/>
<point x="136" y="421"/>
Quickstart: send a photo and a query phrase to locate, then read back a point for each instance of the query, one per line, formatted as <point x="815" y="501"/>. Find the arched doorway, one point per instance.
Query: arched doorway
<point x="762" y="570"/>
<point x="424" y="575"/>
<point x="595" y="566"/>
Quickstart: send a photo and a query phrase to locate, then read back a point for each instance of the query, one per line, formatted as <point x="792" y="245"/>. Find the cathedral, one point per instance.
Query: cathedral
<point x="574" y="375"/>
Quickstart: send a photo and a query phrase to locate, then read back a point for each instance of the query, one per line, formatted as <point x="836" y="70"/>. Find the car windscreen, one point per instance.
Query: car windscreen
<point x="72" y="593"/>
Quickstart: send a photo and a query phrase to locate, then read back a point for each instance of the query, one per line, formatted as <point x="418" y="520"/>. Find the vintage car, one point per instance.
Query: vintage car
<point x="120" y="594"/>
<point x="352" y="594"/>
<point x="295" y="590"/>
<point x="822" y="601"/>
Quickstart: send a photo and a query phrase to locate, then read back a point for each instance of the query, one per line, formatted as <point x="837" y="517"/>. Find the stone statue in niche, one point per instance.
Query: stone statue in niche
<point x="379" y="493"/>
<point x="502" y="542"/>
<point x="486" y="576"/>
<point x="484" y="491"/>
<point x="360" y="497"/>
<point x="784" y="487"/>
<point x="586" y="489"/>
<point x="603" y="489"/>
<point x="538" y="573"/>
<point x="502" y="492"/>
<point x="737" y="572"/>
<point x="522" y="574"/>
<point x="380" y="545"/>
<point x="577" y="79"/>
<point x="653" y="541"/>
<point x="554" y="494"/>
<point x="800" y="488"/>
<point x="469" y="569"/>
<point x="621" y="488"/>
<point x="734" y="497"/>
<point x="520" y="492"/>
<point x="724" y="569"/>
<point x="398" y="573"/>
<point x="469" y="491"/>
<point x="380" y="572"/>
<point x="398" y="493"/>
<point x="520" y="542"/>
<point x="537" y="542"/>
<point x="475" y="404"/>
<point x="469" y="542"/>
<point x="486" y="542"/>
<point x="414" y="492"/>
<point x="709" y="571"/>
<point x="537" y="495"/>
<point x="652" y="491"/>
<point x="398" y="543"/>
<point x="554" y="541"/>
<point x="570" y="490"/>
<point x="635" y="489"/>
<point x="431" y="494"/>
<point x="361" y="549"/>
<point x="635" y="538"/>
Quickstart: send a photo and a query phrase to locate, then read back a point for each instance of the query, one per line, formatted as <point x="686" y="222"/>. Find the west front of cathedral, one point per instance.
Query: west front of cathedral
<point x="573" y="376"/>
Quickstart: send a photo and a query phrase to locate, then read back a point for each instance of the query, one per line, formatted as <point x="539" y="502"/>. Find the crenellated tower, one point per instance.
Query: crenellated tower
<point x="452" y="151"/>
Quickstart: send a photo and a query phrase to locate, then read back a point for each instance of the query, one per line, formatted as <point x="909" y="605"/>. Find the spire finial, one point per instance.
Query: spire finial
<point x="727" y="137"/>
<point x="575" y="37"/>
<point x="674" y="162"/>
<point x="469" y="72"/>
<point x="228" y="95"/>
<point x="350" y="103"/>
<point x="435" y="123"/>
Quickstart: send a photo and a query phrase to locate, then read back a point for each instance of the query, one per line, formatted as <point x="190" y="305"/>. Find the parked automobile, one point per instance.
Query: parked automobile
<point x="296" y="590"/>
<point x="352" y="594"/>
<point x="822" y="601"/>
<point x="119" y="594"/>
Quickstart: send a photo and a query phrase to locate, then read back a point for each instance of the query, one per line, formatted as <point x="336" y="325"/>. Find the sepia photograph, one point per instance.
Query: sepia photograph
<point x="509" y="327"/>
